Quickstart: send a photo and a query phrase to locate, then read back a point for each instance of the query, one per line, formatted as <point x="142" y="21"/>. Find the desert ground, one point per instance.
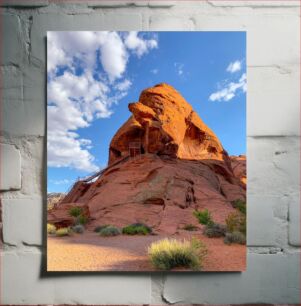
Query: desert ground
<point x="90" y="252"/>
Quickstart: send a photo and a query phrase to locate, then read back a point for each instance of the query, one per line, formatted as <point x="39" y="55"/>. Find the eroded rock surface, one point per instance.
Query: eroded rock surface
<point x="165" y="124"/>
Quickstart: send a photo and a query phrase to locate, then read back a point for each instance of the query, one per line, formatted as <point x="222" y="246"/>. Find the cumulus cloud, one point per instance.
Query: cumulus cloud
<point x="234" y="66"/>
<point x="154" y="71"/>
<point x="79" y="92"/>
<point x="139" y="45"/>
<point x="65" y="149"/>
<point x="230" y="89"/>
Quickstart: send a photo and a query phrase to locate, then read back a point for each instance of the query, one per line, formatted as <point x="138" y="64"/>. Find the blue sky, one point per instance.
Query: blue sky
<point x="92" y="76"/>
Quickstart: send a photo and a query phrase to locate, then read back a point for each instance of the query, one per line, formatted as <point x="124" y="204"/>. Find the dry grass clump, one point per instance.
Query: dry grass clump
<point x="171" y="253"/>
<point x="51" y="229"/>
<point x="64" y="231"/>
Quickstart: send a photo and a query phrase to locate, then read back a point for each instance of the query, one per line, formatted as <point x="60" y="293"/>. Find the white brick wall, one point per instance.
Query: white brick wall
<point x="273" y="54"/>
<point x="10" y="172"/>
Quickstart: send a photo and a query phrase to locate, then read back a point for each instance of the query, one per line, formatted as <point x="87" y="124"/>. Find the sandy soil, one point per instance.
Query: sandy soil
<point x="90" y="252"/>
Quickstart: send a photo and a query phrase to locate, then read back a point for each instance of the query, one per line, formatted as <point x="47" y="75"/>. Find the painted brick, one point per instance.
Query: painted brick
<point x="294" y="220"/>
<point x="22" y="221"/>
<point x="265" y="281"/>
<point x="24" y="101"/>
<point x="276" y="92"/>
<point x="259" y="4"/>
<point x="10" y="167"/>
<point x="273" y="165"/>
<point x="260" y="219"/>
<point x="160" y="3"/>
<point x="170" y="23"/>
<point x="22" y="283"/>
<point x="273" y="34"/>
<point x="33" y="156"/>
<point x="115" y="3"/>
<point x="12" y="45"/>
<point x="24" y="3"/>
<point x="11" y="84"/>
<point x="118" y="3"/>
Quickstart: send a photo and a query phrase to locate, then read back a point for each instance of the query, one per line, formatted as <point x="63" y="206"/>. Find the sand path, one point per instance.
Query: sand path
<point x="90" y="252"/>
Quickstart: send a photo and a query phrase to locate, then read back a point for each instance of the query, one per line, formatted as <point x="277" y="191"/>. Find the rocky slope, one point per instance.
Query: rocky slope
<point x="164" y="162"/>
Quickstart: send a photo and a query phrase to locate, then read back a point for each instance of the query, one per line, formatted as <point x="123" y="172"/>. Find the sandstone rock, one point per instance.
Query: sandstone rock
<point x="239" y="165"/>
<point x="164" y="123"/>
<point x="181" y="166"/>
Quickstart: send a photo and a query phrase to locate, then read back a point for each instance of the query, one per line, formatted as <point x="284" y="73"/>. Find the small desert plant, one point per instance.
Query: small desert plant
<point x="64" y="231"/>
<point x="136" y="229"/>
<point x="235" y="237"/>
<point x="171" y="253"/>
<point x="204" y="216"/>
<point x="51" y="229"/>
<point x="79" y="229"/>
<point x="75" y="211"/>
<point x="236" y="222"/>
<point x="109" y="231"/>
<point x="215" y="230"/>
<point x="240" y="205"/>
<point x="97" y="229"/>
<point x="189" y="227"/>
<point x="82" y="219"/>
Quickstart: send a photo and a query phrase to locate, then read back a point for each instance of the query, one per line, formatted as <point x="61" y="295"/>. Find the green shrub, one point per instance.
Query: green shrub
<point x="97" y="229"/>
<point x="189" y="227"/>
<point x="64" y="231"/>
<point x="75" y="211"/>
<point x="204" y="216"/>
<point x="136" y="229"/>
<point x="171" y="253"/>
<point x="51" y="229"/>
<point x="235" y="237"/>
<point x="240" y="205"/>
<point x="236" y="222"/>
<point x="215" y="230"/>
<point x="109" y="231"/>
<point x="81" y="219"/>
<point x="79" y="228"/>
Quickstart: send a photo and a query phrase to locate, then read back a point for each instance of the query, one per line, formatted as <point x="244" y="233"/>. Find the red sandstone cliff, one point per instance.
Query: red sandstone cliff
<point x="164" y="162"/>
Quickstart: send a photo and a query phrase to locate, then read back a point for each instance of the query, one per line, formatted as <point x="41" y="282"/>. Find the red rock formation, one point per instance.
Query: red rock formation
<point x="165" y="124"/>
<point x="182" y="167"/>
<point x="239" y="165"/>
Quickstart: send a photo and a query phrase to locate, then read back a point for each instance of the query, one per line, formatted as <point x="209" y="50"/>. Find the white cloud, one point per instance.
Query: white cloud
<point x="65" y="149"/>
<point x="123" y="86"/>
<point x="113" y="56"/>
<point x="154" y="71"/>
<point x="179" y="68"/>
<point x="229" y="91"/>
<point x="234" y="66"/>
<point x="139" y="45"/>
<point x="78" y="94"/>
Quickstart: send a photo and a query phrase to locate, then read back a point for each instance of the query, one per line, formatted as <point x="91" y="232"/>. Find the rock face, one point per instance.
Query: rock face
<point x="164" y="163"/>
<point x="165" y="124"/>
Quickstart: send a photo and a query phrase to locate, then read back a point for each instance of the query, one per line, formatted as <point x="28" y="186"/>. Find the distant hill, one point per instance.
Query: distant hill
<point x="53" y="198"/>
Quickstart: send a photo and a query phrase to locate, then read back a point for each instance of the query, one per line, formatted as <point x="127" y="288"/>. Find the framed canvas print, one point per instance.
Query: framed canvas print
<point x="146" y="144"/>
